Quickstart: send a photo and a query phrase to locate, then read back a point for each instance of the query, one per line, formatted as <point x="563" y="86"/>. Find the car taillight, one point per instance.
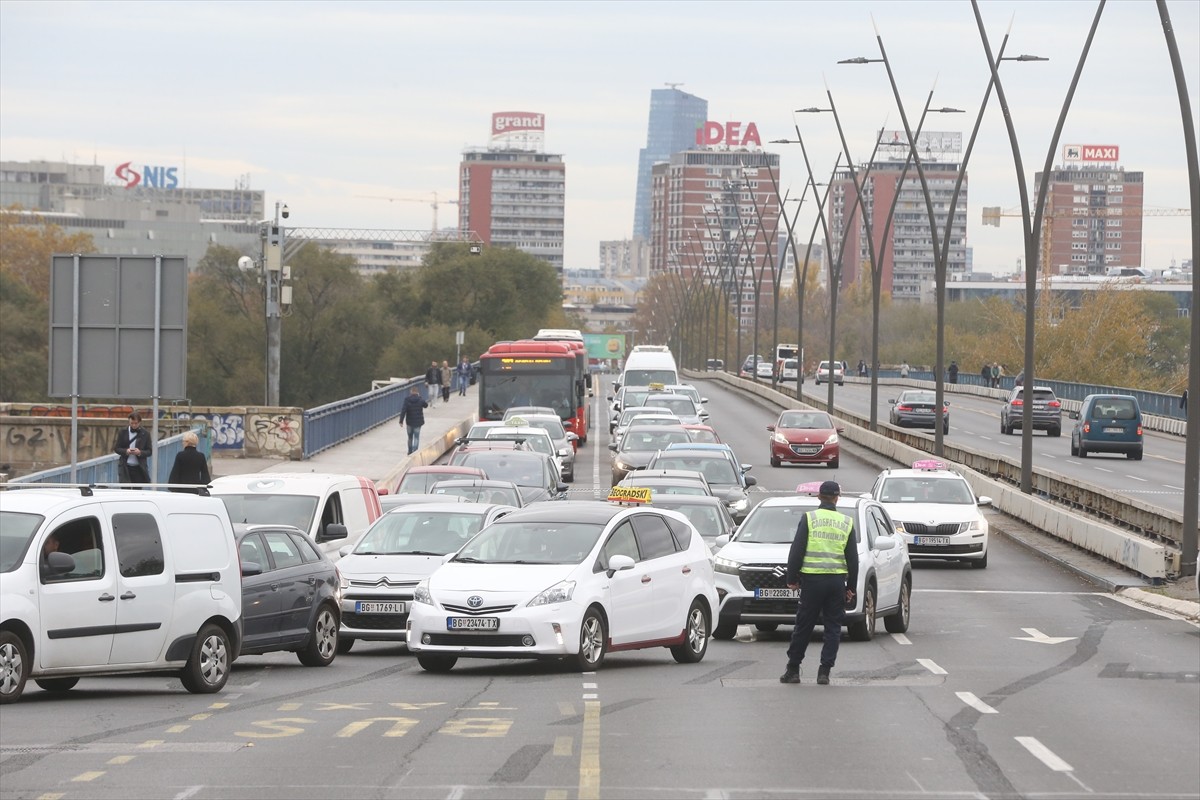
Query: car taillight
<point x="1139" y="430"/>
<point x="1054" y="404"/>
<point x="1087" y="427"/>
<point x="1018" y="402"/>
<point x="904" y="408"/>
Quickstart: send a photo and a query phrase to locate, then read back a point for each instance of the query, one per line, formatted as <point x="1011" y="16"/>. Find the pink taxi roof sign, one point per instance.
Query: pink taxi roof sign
<point x="929" y="464"/>
<point x="811" y="488"/>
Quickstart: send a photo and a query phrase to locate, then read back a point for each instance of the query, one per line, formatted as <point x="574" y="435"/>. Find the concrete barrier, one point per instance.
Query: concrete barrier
<point x="427" y="454"/>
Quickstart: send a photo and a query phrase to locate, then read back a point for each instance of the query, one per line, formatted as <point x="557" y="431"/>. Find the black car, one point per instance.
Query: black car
<point x="915" y="408"/>
<point x="289" y="594"/>
<point x="1047" y="411"/>
<point x="535" y="474"/>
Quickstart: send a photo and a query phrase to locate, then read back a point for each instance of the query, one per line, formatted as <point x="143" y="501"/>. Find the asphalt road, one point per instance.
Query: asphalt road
<point x="1020" y="680"/>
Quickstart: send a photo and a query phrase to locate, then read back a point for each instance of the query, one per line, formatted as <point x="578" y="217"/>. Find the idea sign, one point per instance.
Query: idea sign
<point x="149" y="176"/>
<point x="1089" y="153"/>
<point x="730" y="134"/>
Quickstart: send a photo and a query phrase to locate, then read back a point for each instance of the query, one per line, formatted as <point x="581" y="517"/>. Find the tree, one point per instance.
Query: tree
<point x="26" y="245"/>
<point x="226" y="332"/>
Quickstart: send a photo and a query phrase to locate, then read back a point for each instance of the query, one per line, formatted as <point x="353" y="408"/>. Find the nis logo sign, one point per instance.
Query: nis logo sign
<point x="1091" y="153"/>
<point x="150" y="177"/>
<point x="730" y="134"/>
<point x="514" y="121"/>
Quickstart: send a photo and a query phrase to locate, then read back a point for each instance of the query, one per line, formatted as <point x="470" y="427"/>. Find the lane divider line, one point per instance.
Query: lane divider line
<point x="900" y="638"/>
<point x="1043" y="754"/>
<point x="975" y="703"/>
<point x="931" y="666"/>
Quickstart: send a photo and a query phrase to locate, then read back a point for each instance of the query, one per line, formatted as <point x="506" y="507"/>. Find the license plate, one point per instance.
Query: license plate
<point x="933" y="540"/>
<point x="1114" y="430"/>
<point x="361" y="607"/>
<point x="774" y="594"/>
<point x="472" y="623"/>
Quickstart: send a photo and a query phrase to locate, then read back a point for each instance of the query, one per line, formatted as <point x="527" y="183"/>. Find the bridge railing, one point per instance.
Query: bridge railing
<point x="103" y="469"/>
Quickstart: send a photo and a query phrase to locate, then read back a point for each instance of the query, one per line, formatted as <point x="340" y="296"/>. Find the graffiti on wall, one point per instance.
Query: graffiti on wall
<point x="228" y="430"/>
<point x="38" y="444"/>
<point x="273" y="435"/>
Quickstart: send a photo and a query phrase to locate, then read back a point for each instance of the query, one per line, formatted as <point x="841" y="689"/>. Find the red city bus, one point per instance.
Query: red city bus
<point x="532" y="373"/>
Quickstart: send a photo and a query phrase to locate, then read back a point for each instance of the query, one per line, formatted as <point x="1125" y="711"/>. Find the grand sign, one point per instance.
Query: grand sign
<point x="1091" y="153"/>
<point x="152" y="177"/>
<point x="514" y="121"/>
<point x="730" y="134"/>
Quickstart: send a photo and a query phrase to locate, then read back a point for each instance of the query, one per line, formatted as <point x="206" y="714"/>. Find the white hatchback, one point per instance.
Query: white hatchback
<point x="573" y="580"/>
<point x="936" y="511"/>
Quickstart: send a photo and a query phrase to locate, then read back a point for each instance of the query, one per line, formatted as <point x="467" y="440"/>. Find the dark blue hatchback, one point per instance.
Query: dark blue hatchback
<point x="1108" y="423"/>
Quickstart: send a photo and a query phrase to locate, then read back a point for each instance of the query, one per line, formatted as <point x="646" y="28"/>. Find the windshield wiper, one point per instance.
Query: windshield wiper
<point x="467" y="560"/>
<point x="418" y="553"/>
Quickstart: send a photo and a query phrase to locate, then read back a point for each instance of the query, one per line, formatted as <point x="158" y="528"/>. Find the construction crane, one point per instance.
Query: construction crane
<point x="992" y="215"/>
<point x="434" y="204"/>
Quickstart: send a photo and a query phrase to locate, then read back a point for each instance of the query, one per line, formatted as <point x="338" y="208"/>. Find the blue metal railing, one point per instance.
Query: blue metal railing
<point x="103" y="469"/>
<point x="333" y="423"/>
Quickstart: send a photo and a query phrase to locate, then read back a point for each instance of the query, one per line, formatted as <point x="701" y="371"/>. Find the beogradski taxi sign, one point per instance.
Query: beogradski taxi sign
<point x="629" y="494"/>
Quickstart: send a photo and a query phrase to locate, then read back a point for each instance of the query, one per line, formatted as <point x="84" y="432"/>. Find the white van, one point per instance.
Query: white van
<point x="108" y="581"/>
<point x="647" y="364"/>
<point x="320" y="504"/>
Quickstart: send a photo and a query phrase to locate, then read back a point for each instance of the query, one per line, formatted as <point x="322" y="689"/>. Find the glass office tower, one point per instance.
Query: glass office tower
<point x="674" y="117"/>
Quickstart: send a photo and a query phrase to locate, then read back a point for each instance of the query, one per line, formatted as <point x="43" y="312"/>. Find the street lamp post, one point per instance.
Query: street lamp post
<point x="1032" y="224"/>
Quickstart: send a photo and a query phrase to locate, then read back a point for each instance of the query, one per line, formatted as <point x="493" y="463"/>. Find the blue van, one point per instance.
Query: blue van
<point x="1108" y="423"/>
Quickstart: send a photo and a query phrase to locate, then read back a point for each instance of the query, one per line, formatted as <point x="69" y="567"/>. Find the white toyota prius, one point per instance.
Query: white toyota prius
<point x="573" y="580"/>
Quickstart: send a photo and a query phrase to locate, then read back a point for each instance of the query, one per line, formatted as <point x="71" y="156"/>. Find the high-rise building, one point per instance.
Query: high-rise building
<point x="135" y="209"/>
<point x="906" y="257"/>
<point x="511" y="193"/>
<point x="1093" y="217"/>
<point x="716" y="211"/>
<point x="624" y="258"/>
<point x="674" y="117"/>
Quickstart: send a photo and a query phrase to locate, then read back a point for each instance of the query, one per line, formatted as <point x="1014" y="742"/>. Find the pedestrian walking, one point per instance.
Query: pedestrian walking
<point x="433" y="381"/>
<point x="862" y="368"/>
<point x="463" y="374"/>
<point x="823" y="565"/>
<point x="412" y="416"/>
<point x="190" y="467"/>
<point x="995" y="373"/>
<point x="953" y="372"/>
<point x="447" y="377"/>
<point x="1183" y="403"/>
<point x="985" y="373"/>
<point x="904" y="370"/>
<point x="134" y="448"/>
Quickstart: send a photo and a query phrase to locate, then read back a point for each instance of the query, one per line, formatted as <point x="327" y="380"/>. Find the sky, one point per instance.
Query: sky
<point x="330" y="106"/>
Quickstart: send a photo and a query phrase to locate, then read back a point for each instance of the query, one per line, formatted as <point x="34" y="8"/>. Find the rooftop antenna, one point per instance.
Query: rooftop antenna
<point x="672" y="85"/>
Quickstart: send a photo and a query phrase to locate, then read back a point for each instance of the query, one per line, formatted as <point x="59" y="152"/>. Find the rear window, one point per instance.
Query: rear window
<point x="1115" y="408"/>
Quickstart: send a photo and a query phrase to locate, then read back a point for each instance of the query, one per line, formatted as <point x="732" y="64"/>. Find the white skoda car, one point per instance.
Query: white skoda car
<point x="573" y="580"/>
<point x="936" y="511"/>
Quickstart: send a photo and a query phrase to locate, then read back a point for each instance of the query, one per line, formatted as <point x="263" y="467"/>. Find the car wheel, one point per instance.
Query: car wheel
<point x="695" y="636"/>
<point x="833" y="462"/>
<point x="1055" y="432"/>
<point x="437" y="663"/>
<point x="593" y="640"/>
<point x="1074" y="447"/>
<point x="766" y="627"/>
<point x="570" y="478"/>
<point x="980" y="563"/>
<point x="1136" y="455"/>
<point x="57" y="684"/>
<point x="1082" y="450"/>
<point x="208" y="668"/>
<point x="14" y="667"/>
<point x="863" y="630"/>
<point x="818" y="381"/>
<point x="322" y="640"/>
<point x="775" y="462"/>
<point x="897" y="621"/>
<point x="725" y="630"/>
<point x="344" y="644"/>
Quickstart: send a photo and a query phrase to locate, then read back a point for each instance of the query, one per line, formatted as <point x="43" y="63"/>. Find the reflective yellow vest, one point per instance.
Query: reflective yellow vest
<point x="828" y="532"/>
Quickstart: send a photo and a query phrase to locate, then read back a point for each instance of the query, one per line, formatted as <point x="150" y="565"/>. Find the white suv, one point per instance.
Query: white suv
<point x="752" y="564"/>
<point x="936" y="511"/>
<point x="103" y="582"/>
<point x="836" y="374"/>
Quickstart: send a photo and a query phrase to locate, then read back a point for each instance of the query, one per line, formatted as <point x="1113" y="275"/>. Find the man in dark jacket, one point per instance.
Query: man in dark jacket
<point x="190" y="467"/>
<point x="412" y="415"/>
<point x="134" y="448"/>
<point x="823" y="565"/>
<point x="433" y="381"/>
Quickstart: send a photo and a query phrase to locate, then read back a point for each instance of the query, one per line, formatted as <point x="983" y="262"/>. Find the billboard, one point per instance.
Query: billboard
<point x="1091" y="153"/>
<point x="518" y="130"/>
<point x="730" y="134"/>
<point x="929" y="143"/>
<point x="604" y="345"/>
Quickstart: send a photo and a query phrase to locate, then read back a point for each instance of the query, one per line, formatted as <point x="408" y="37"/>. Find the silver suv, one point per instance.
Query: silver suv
<point x="1047" y="411"/>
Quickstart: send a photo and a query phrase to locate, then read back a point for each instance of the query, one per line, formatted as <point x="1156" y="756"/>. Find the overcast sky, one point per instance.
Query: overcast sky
<point x="321" y="103"/>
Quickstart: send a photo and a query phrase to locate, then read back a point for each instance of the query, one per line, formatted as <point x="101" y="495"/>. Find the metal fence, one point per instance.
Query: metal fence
<point x="104" y="468"/>
<point x="333" y="423"/>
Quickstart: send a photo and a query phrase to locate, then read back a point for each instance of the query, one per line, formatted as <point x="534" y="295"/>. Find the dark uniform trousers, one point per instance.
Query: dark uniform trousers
<point x="823" y="597"/>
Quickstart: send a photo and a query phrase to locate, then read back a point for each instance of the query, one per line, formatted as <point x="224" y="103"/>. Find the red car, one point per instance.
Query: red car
<point x="802" y="436"/>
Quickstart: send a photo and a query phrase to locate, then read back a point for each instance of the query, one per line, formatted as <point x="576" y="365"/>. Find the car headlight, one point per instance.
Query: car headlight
<point x="421" y="593"/>
<point x="740" y="505"/>
<point x="343" y="581"/>
<point x="973" y="525"/>
<point x="558" y="593"/>
<point x="621" y="464"/>
<point x="564" y="452"/>
<point x="832" y="439"/>
<point x="726" y="565"/>
<point x="779" y="438"/>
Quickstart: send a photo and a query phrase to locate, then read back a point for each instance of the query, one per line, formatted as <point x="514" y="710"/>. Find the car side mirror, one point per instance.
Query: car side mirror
<point x="334" y="530"/>
<point x="1073" y="414"/>
<point x="345" y="551"/>
<point x="983" y="500"/>
<point x="703" y="399"/>
<point x="841" y="429"/>
<point x="746" y="467"/>
<point x="619" y="562"/>
<point x="722" y="540"/>
<point x="771" y="428"/>
<point x="562" y="489"/>
<point x="892" y="401"/>
<point x="251" y="568"/>
<point x="612" y="446"/>
<point x="751" y="481"/>
<point x="885" y="543"/>
<point x="60" y="563"/>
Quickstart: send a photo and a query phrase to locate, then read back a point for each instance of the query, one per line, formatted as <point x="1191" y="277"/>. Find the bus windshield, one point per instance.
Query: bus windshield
<point x="499" y="392"/>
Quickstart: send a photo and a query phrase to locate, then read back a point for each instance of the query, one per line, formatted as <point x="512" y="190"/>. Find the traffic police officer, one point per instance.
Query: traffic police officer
<point x="823" y="564"/>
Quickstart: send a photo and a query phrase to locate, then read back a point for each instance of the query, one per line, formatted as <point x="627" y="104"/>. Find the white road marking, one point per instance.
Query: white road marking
<point x="188" y="792"/>
<point x="1102" y="469"/>
<point x="1136" y="478"/>
<point x="901" y="638"/>
<point x="591" y="696"/>
<point x="1169" y="486"/>
<point x="975" y="703"/>
<point x="931" y="666"/>
<point x="1044" y="754"/>
<point x="589" y="686"/>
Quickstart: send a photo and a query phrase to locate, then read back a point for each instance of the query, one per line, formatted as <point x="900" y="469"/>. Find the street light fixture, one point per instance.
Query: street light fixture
<point x="277" y="293"/>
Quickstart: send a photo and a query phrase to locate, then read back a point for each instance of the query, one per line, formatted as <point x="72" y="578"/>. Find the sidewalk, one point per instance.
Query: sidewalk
<point x="380" y="454"/>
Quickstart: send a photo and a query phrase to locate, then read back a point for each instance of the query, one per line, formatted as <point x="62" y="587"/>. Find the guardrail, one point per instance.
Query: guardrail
<point x="103" y="469"/>
<point x="1147" y="540"/>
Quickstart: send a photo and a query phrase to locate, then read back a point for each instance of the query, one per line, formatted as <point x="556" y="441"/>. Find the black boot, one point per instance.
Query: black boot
<point x="823" y="675"/>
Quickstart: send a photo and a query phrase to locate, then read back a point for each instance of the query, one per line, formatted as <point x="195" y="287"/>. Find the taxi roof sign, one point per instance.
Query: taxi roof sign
<point x="811" y="488"/>
<point x="657" y="387"/>
<point x="629" y="494"/>
<point x="928" y="464"/>
<point x="516" y="422"/>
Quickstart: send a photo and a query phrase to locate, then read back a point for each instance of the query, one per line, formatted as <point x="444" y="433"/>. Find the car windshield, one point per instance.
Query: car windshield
<point x="706" y="519"/>
<point x="703" y="435"/>
<point x="645" y="377"/>
<point x="16" y="531"/>
<point x="508" y="466"/>
<point x="804" y="419"/>
<point x="777" y="524"/>
<point x="951" y="491"/>
<point x="296" y="510"/>
<point x="507" y="496"/>
<point x="538" y="443"/>
<point x="541" y="542"/>
<point x="642" y="439"/>
<point x="418" y="533"/>
<point x="680" y="405"/>
<point x="715" y="469"/>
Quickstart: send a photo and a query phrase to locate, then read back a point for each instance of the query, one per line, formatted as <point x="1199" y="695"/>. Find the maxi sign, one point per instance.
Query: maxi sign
<point x="729" y="134"/>
<point x="1091" y="153"/>
<point x="152" y="177"/>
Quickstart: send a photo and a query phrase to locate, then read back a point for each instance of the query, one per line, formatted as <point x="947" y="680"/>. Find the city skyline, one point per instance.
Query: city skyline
<point x="400" y="89"/>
